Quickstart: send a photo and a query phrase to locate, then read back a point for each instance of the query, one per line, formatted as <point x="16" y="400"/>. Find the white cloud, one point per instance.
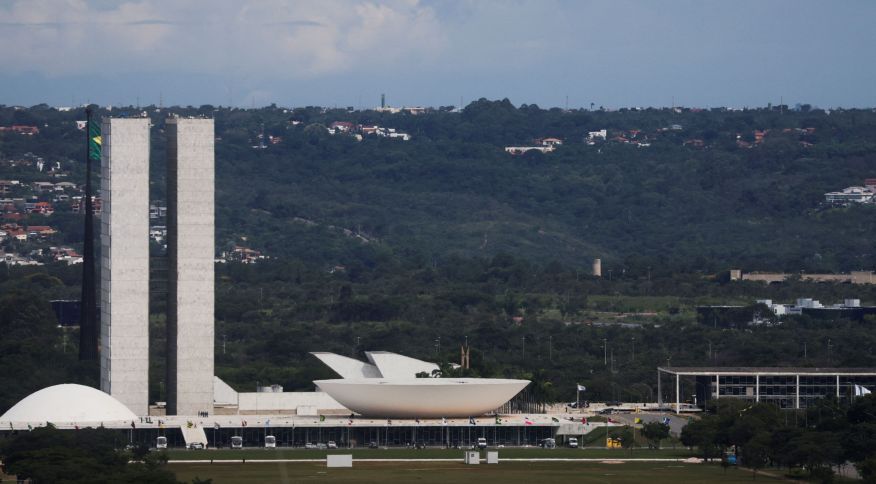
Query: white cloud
<point x="270" y="38"/>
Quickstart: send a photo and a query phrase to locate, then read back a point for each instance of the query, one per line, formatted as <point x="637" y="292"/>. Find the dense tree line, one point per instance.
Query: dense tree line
<point x="452" y="189"/>
<point x="84" y="456"/>
<point x="815" y="439"/>
<point x="521" y="319"/>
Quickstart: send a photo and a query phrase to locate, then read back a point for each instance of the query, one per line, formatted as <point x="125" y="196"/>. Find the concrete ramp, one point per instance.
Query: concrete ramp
<point x="194" y="434"/>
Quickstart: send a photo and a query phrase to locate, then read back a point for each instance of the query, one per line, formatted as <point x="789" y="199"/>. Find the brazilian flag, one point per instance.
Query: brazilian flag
<point x="94" y="140"/>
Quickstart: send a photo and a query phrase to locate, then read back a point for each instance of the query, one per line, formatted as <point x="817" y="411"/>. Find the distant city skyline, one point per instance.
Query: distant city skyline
<point x="554" y="53"/>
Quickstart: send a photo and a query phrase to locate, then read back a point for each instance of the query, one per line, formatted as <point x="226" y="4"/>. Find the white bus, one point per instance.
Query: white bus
<point x="237" y="442"/>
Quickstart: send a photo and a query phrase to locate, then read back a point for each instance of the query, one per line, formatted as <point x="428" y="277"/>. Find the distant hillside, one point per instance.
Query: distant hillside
<point x="666" y="190"/>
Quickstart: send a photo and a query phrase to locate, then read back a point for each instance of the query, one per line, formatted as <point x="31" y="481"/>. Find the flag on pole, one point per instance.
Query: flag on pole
<point x="582" y="388"/>
<point x="95" y="141"/>
<point x="89" y="333"/>
<point x="860" y="391"/>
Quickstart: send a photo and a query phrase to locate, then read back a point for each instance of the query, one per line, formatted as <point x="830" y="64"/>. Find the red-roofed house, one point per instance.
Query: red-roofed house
<point x="40" y="230"/>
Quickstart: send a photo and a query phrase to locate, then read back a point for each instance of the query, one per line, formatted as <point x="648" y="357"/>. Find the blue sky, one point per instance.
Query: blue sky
<point x="613" y="53"/>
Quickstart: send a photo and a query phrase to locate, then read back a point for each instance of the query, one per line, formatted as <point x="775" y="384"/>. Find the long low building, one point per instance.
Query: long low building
<point x="790" y="388"/>
<point x="88" y="407"/>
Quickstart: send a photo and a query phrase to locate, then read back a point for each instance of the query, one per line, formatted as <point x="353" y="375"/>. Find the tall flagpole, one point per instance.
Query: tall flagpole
<point x="88" y="334"/>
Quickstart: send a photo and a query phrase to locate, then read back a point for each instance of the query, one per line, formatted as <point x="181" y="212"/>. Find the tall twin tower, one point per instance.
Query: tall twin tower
<point x="124" y="265"/>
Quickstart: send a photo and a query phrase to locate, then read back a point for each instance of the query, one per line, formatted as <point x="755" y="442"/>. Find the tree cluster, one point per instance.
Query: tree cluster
<point x="814" y="439"/>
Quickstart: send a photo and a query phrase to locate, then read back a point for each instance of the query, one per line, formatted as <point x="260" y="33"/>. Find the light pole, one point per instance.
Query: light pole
<point x="634" y="348"/>
<point x="523" y="348"/>
<point x="551" y="349"/>
<point x="604" y="352"/>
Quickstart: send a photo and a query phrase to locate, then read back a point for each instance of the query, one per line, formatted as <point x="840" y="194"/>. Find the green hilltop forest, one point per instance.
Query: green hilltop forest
<point x="418" y="245"/>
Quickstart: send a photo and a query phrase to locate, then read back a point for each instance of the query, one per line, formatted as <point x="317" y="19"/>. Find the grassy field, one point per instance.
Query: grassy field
<point x="444" y="472"/>
<point x="560" y="453"/>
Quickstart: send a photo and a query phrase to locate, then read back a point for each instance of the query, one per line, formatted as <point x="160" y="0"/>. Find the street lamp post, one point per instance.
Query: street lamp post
<point x="523" y="348"/>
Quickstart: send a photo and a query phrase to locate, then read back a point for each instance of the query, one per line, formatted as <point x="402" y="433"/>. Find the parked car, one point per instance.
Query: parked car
<point x="196" y="445"/>
<point x="548" y="444"/>
<point x="237" y="442"/>
<point x="270" y="442"/>
<point x="572" y="443"/>
<point x="482" y="443"/>
<point x="332" y="444"/>
<point x="161" y="442"/>
<point x="309" y="445"/>
<point x="372" y="445"/>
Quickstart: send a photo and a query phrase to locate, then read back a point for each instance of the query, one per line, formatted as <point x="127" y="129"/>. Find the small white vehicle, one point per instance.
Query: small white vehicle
<point x="161" y="443"/>
<point x="237" y="442"/>
<point x="270" y="442"/>
<point x="548" y="443"/>
<point x="482" y="443"/>
<point x="196" y="446"/>
<point x="332" y="444"/>
<point x="309" y="445"/>
<point x="573" y="443"/>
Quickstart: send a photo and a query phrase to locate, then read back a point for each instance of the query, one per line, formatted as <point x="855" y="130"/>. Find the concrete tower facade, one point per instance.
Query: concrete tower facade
<point x="190" y="253"/>
<point x="124" y="263"/>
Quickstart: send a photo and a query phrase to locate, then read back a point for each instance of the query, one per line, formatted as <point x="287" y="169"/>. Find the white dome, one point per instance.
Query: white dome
<point x="68" y="403"/>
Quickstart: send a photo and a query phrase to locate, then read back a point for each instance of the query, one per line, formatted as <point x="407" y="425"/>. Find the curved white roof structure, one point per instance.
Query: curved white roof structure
<point x="67" y="403"/>
<point x="394" y="365"/>
<point x="389" y="387"/>
<point x="422" y="397"/>
<point x="347" y="367"/>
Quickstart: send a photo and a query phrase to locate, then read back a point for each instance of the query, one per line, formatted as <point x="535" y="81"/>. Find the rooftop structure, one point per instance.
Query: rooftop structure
<point x="853" y="277"/>
<point x="850" y="195"/>
<point x="422" y="397"/>
<point x="67" y="403"/>
<point x="519" y="150"/>
<point x="389" y="387"/>
<point x="347" y="367"/>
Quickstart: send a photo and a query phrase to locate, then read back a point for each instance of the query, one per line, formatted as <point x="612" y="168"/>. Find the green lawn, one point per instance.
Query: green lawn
<point x="445" y="472"/>
<point x="225" y="454"/>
